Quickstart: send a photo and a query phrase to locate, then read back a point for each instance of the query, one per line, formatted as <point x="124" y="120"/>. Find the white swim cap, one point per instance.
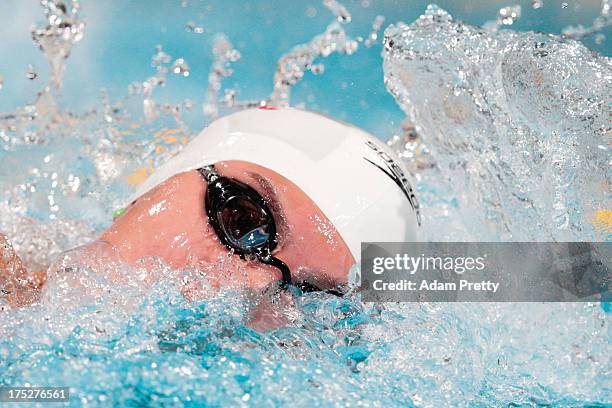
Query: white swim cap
<point x="351" y="176"/>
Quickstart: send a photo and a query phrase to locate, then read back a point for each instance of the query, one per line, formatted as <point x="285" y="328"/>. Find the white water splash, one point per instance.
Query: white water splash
<point x="292" y="66"/>
<point x="602" y="21"/>
<point x="58" y="36"/>
<point x="224" y="55"/>
<point x="141" y="341"/>
<point x="342" y="14"/>
<point x="376" y="26"/>
<point x="513" y="122"/>
<point x="506" y="16"/>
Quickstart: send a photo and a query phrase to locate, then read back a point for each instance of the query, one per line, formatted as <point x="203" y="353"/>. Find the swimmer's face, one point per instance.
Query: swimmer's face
<point x="170" y="222"/>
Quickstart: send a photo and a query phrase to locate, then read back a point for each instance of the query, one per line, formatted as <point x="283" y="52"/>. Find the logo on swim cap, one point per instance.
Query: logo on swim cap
<point x="398" y="176"/>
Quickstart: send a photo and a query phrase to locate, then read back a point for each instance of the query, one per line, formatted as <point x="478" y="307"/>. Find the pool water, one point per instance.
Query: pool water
<point x="506" y="129"/>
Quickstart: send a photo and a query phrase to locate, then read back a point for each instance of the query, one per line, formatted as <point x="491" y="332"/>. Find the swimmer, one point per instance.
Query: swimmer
<point x="291" y="194"/>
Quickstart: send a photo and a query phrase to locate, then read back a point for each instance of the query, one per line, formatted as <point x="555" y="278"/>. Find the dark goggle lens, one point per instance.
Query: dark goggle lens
<point x="241" y="219"/>
<point x="245" y="223"/>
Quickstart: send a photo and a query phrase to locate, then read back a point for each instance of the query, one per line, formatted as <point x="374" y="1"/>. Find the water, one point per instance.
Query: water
<point x="517" y="124"/>
<point x="492" y="117"/>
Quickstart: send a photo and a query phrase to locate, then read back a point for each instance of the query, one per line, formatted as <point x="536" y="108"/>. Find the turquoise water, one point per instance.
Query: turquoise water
<point x="121" y="36"/>
<point x="70" y="158"/>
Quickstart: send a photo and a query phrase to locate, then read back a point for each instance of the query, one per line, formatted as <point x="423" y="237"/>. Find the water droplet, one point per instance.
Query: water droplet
<point x="31" y="73"/>
<point x="160" y="57"/>
<point x="311" y="12"/>
<point x="341" y="13"/>
<point x="350" y="47"/>
<point x="180" y="67"/>
<point x="376" y="25"/>
<point x="317" y="69"/>
<point x="57" y="38"/>
<point x="224" y="54"/>
<point x="233" y="55"/>
<point x="291" y="66"/>
<point x="191" y="27"/>
<point x="509" y="15"/>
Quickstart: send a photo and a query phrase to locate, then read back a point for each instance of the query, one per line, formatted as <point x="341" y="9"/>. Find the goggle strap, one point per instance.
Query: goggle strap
<point x="280" y="265"/>
<point x="209" y="173"/>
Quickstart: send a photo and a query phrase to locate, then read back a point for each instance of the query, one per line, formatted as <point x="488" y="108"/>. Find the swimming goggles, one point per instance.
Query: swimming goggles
<point x="242" y="220"/>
